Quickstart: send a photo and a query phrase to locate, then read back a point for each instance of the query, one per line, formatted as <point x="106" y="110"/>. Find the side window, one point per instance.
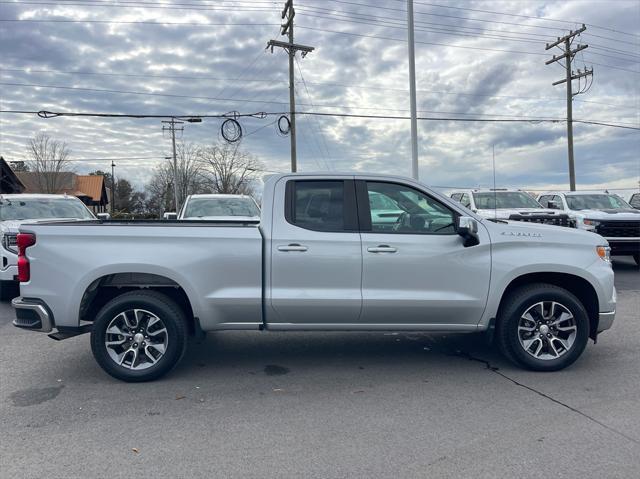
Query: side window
<point x="558" y="200"/>
<point x="635" y="200"/>
<point x="316" y="205"/>
<point x="407" y="210"/>
<point x="544" y="200"/>
<point x="465" y="200"/>
<point x="456" y="196"/>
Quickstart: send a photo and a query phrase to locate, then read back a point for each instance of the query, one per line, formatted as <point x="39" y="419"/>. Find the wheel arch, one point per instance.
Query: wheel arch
<point x="578" y="286"/>
<point x="109" y="286"/>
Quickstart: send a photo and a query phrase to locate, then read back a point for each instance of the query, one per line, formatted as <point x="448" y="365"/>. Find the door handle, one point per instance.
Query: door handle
<point x="293" y="247"/>
<point x="383" y="248"/>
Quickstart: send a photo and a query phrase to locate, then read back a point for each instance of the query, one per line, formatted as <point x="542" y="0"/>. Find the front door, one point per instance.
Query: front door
<point x="316" y="259"/>
<point x="416" y="270"/>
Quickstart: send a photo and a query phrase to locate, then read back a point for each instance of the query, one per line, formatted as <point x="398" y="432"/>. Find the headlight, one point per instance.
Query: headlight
<point x="591" y="222"/>
<point x="604" y="252"/>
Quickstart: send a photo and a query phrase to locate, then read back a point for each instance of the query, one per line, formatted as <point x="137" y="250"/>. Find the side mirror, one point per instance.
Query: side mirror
<point x="103" y="216"/>
<point x="553" y="205"/>
<point x="467" y="227"/>
<point x="170" y="216"/>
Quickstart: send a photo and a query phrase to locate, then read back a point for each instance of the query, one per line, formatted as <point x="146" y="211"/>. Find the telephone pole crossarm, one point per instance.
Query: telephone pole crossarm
<point x="566" y="37"/>
<point x="566" y="54"/>
<point x="290" y="47"/>
<point x="580" y="74"/>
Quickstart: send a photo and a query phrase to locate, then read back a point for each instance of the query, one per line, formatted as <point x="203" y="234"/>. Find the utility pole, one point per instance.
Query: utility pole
<point x="412" y="91"/>
<point x="291" y="48"/>
<point x="568" y="55"/>
<point x="113" y="187"/>
<point x="171" y="126"/>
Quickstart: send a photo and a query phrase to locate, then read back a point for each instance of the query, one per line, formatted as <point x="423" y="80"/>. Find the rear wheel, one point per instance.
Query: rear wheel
<point x="542" y="327"/>
<point x="139" y="336"/>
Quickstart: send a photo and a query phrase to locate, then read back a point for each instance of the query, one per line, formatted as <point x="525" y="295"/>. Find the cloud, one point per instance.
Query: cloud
<point x="467" y="62"/>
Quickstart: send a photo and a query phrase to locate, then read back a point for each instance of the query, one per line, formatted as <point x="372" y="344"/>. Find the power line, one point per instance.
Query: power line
<point x="420" y="42"/>
<point x="328" y="114"/>
<point x="525" y="16"/>
<point x="137" y="22"/>
<point x="330" y="84"/>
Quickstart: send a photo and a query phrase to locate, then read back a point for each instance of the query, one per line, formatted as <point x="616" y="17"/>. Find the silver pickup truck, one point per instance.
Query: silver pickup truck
<point x="321" y="258"/>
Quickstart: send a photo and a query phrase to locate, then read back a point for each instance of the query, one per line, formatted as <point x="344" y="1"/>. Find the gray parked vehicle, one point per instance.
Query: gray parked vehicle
<point x="319" y="259"/>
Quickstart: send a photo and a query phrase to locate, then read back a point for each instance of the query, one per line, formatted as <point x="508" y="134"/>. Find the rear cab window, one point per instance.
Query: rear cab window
<point x="321" y="205"/>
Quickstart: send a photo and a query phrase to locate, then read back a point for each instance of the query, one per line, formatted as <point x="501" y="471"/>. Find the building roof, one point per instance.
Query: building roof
<point x="88" y="186"/>
<point x="91" y="185"/>
<point x="9" y="182"/>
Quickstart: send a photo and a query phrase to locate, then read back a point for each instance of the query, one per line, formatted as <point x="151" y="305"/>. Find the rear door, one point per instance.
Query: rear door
<point x="316" y="258"/>
<point x="417" y="270"/>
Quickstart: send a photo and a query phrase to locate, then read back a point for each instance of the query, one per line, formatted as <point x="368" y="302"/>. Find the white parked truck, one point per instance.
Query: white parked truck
<point x="18" y="209"/>
<point x="603" y="213"/>
<point x="217" y="207"/>
<point x="506" y="204"/>
<point x="319" y="259"/>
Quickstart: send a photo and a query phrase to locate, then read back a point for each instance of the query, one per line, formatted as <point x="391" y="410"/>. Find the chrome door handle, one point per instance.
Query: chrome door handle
<point x="293" y="247"/>
<point x="383" y="248"/>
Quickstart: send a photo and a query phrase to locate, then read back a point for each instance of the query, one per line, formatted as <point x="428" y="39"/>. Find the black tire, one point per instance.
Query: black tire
<point x="518" y="302"/>
<point x="161" y="306"/>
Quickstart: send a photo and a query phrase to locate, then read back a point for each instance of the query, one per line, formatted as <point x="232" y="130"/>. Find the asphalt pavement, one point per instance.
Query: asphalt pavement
<point x="251" y="404"/>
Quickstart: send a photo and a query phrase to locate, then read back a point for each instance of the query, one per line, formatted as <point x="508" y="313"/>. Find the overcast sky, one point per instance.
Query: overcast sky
<point x="474" y="59"/>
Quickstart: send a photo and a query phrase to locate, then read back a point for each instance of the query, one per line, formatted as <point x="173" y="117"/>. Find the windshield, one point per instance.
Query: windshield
<point x="504" y="199"/>
<point x="203" y="207"/>
<point x="599" y="201"/>
<point x="42" y="208"/>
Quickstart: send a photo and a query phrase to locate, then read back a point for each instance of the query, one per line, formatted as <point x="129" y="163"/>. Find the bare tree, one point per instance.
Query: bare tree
<point x="191" y="179"/>
<point x="229" y="169"/>
<point x="49" y="161"/>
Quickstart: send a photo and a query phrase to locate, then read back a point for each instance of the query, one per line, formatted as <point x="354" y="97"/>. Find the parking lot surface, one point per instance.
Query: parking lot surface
<point x="251" y="404"/>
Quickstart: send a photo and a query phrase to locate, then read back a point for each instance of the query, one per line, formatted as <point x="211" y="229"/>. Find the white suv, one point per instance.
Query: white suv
<point x="603" y="213"/>
<point x="509" y="204"/>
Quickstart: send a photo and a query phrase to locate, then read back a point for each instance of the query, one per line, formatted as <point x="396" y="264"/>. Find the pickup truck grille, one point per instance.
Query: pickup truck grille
<point x="10" y="242"/>
<point x="558" y="220"/>
<point x="619" y="229"/>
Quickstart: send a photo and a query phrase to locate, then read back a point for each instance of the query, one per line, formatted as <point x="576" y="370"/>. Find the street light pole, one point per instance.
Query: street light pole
<point x="412" y="91"/>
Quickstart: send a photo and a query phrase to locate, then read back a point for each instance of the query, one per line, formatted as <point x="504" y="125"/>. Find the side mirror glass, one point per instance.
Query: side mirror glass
<point x="170" y="216"/>
<point x="467" y="228"/>
<point x="553" y="205"/>
<point x="103" y="216"/>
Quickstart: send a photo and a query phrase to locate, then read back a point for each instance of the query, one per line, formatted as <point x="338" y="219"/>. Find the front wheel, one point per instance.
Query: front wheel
<point x="542" y="327"/>
<point x="139" y="336"/>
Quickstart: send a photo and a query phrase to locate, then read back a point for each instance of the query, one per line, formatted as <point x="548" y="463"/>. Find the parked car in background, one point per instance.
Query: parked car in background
<point x="320" y="259"/>
<point x="19" y="209"/>
<point x="507" y="204"/>
<point x="218" y="207"/>
<point x="634" y="200"/>
<point x="603" y="213"/>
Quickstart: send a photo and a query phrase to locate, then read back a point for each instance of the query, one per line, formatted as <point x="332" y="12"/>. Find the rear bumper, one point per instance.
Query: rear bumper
<point x="605" y="320"/>
<point x="32" y="314"/>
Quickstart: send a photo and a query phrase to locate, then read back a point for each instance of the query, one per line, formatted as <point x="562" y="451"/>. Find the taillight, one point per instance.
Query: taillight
<point x="24" y="241"/>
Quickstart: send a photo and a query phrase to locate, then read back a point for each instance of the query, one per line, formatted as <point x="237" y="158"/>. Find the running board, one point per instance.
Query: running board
<point x="66" y="332"/>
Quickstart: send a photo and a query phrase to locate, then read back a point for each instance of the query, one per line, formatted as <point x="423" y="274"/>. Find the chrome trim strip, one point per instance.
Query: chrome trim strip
<point x="605" y="320"/>
<point x="41" y="311"/>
